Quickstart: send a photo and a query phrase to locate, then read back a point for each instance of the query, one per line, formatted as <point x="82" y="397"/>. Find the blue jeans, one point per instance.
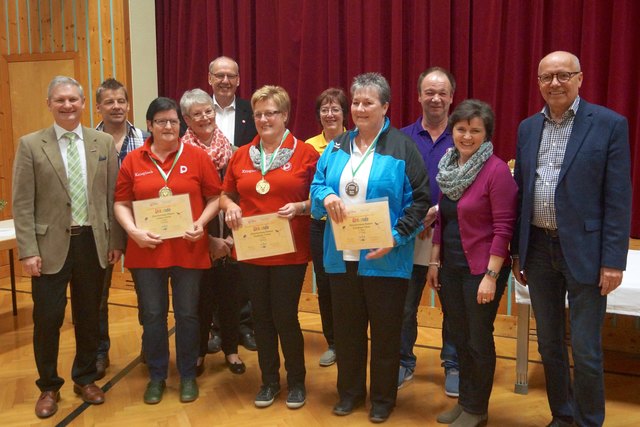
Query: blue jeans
<point x="153" y="292"/>
<point x="472" y="332"/>
<point x="448" y="355"/>
<point x="550" y="280"/>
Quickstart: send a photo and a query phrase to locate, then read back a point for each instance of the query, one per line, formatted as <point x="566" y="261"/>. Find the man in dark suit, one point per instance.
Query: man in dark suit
<point x="234" y="117"/>
<point x="63" y="183"/>
<point x="573" y="173"/>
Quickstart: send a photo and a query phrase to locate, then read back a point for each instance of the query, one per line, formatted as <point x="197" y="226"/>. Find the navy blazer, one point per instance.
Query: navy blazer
<point x="245" y="127"/>
<point x="593" y="196"/>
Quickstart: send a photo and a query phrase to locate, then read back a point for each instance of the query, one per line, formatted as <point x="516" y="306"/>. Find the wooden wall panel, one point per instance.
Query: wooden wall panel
<point x="90" y="33"/>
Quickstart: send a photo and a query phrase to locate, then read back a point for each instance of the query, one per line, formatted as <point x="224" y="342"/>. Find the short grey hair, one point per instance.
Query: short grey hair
<point x="194" y="97"/>
<point x="373" y="80"/>
<point x="63" y="80"/>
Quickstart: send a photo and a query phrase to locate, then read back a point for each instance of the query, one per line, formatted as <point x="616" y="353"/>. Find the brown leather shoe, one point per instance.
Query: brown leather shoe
<point x="47" y="404"/>
<point x="90" y="393"/>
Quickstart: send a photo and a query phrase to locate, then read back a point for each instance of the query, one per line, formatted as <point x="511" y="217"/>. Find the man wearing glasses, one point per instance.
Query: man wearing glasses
<point x="234" y="118"/>
<point x="233" y="114"/>
<point x="573" y="173"/>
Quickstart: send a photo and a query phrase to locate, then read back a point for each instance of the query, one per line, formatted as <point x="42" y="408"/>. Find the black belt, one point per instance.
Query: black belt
<point x="548" y="231"/>
<point x="76" y="230"/>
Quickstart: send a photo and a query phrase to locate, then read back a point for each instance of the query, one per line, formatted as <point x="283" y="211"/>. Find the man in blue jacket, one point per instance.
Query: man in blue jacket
<point x="573" y="173"/>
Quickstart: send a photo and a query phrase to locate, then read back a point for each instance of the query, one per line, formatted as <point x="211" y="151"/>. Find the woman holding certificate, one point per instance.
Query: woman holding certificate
<point x="368" y="287"/>
<point x="470" y="246"/>
<point x="270" y="177"/>
<point x="183" y="180"/>
<point x="199" y="114"/>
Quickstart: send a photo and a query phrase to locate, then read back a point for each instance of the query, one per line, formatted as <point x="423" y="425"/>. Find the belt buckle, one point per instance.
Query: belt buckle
<point x="75" y="230"/>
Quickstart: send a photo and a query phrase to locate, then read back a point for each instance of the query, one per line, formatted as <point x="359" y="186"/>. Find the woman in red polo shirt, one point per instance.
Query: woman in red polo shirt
<point x="164" y="166"/>
<point x="273" y="174"/>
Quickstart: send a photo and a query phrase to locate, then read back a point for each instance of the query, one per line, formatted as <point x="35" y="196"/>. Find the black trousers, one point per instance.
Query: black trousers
<point x="81" y="269"/>
<point x="471" y="328"/>
<point x="322" y="279"/>
<point x="219" y="290"/>
<point x="359" y="302"/>
<point x="275" y="294"/>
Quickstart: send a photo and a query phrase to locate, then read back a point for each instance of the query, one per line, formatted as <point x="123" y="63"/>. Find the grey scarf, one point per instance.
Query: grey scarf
<point x="283" y="156"/>
<point x="453" y="179"/>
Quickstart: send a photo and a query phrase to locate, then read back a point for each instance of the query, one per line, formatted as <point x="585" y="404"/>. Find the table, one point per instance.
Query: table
<point x="8" y="241"/>
<point x="624" y="300"/>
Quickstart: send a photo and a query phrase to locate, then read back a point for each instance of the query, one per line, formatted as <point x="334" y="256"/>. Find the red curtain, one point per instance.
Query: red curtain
<point x="492" y="47"/>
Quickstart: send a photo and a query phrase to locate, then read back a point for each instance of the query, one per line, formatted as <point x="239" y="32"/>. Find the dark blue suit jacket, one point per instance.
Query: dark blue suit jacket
<point x="593" y="196"/>
<point x="245" y="127"/>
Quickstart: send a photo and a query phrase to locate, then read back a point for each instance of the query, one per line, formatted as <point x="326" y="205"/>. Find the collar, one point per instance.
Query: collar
<point x="231" y="106"/>
<point x="128" y="124"/>
<point x="60" y="131"/>
<point x="573" y="109"/>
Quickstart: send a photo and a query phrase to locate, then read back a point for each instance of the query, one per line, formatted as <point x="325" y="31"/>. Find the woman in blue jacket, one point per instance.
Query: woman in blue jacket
<point x="368" y="287"/>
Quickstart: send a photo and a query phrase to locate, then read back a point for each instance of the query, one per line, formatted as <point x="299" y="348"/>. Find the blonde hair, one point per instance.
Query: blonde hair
<point x="275" y="93"/>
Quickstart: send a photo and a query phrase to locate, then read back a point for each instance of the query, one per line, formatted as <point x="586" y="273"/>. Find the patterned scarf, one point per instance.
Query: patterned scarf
<point x="219" y="150"/>
<point x="282" y="157"/>
<point x="453" y="179"/>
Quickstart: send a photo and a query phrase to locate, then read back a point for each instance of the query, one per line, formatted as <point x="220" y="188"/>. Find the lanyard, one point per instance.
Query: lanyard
<point x="368" y="151"/>
<point x="165" y="176"/>
<point x="265" y="168"/>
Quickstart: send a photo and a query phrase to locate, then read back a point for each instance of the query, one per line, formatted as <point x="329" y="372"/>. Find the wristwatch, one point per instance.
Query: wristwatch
<point x="491" y="273"/>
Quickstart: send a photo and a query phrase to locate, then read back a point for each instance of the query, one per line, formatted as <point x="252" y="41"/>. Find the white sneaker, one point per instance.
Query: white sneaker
<point x="328" y="358"/>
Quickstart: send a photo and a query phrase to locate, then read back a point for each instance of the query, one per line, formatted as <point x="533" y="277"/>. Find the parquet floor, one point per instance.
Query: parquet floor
<point x="227" y="399"/>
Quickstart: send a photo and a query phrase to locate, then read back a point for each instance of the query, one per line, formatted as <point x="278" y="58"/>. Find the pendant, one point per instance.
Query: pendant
<point x="263" y="186"/>
<point x="165" y="192"/>
<point x="352" y="188"/>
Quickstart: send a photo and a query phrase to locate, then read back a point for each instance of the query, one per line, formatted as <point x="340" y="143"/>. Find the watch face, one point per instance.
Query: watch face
<point x="492" y="273"/>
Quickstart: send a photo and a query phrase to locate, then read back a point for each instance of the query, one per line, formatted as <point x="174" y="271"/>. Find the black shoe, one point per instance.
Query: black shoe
<point x="297" y="396"/>
<point x="267" y="395"/>
<point x="379" y="414"/>
<point x="248" y="342"/>
<point x="236" y="368"/>
<point x="347" y="406"/>
<point x="557" y="422"/>
<point x="102" y="363"/>
<point x="214" y="345"/>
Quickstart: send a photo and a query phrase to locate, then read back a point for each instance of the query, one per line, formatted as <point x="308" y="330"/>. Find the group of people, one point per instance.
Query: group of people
<point x="460" y="222"/>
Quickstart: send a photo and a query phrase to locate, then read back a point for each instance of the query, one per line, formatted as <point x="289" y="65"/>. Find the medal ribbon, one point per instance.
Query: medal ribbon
<point x="165" y="176"/>
<point x="368" y="151"/>
<point x="265" y="168"/>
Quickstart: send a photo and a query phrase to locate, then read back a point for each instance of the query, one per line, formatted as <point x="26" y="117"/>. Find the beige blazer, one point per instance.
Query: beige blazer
<point x="42" y="202"/>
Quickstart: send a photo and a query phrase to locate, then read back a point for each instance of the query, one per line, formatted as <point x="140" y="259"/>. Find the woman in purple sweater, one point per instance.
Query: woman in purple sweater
<point x="469" y="262"/>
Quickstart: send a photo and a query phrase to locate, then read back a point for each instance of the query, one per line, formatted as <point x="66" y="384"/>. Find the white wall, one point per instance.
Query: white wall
<point x="144" y="74"/>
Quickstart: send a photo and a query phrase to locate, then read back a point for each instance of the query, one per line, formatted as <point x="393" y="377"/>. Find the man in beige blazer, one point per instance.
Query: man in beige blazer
<point x="66" y="232"/>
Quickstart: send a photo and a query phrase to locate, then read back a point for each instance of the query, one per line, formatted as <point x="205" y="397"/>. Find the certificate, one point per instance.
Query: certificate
<point x="261" y="236"/>
<point x="168" y="217"/>
<point x="367" y="226"/>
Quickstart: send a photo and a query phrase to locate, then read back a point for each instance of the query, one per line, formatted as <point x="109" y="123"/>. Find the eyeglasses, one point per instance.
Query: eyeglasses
<point x="326" y="111"/>
<point x="221" y="76"/>
<point x="563" y="77"/>
<point x="267" y="114"/>
<point x="163" y="122"/>
<point x="203" y="115"/>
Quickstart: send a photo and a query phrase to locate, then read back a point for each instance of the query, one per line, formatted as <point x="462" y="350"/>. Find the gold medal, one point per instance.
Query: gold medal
<point x="165" y="192"/>
<point x="263" y="186"/>
<point x="352" y="188"/>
